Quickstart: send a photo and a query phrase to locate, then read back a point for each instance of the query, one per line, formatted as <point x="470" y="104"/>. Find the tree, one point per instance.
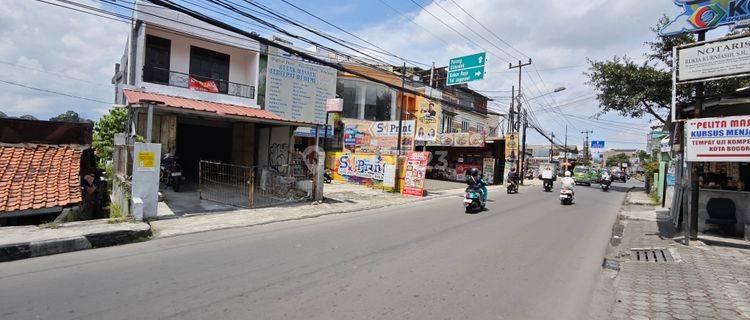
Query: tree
<point x="643" y="156"/>
<point x="616" y="160"/>
<point x="69" y="116"/>
<point x="3" y="115"/>
<point x="28" y="117"/>
<point x="104" y="131"/>
<point x="637" y="89"/>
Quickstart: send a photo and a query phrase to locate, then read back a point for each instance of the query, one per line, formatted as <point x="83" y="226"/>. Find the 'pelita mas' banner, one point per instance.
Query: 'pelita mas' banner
<point x="718" y="139"/>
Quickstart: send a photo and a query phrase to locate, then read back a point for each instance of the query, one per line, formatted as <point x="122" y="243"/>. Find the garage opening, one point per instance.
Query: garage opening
<point x="196" y="142"/>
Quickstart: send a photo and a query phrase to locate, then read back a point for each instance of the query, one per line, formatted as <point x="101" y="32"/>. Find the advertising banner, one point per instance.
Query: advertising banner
<point x="205" y="86"/>
<point x="462" y="139"/>
<point x="462" y="168"/>
<point x="297" y="90"/>
<point x="377" y="136"/>
<point x="414" y="173"/>
<point x="511" y="146"/>
<point x="489" y="170"/>
<point x="714" y="59"/>
<point x="718" y="139"/>
<point x="365" y="169"/>
<point x="428" y="114"/>
<point x="707" y="14"/>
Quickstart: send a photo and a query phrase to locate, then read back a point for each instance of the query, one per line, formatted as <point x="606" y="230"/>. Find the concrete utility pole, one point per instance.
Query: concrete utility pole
<point x="520" y="66"/>
<point x="511" y="118"/>
<point x="586" y="146"/>
<point x="523" y="143"/>
<point x="551" y="145"/>
<point x="401" y="109"/>
<point x="695" y="167"/>
<point x="566" y="146"/>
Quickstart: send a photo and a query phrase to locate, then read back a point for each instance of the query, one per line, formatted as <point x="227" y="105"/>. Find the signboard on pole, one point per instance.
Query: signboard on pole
<point x="511" y="146"/>
<point x="700" y="15"/>
<point x="718" y="139"/>
<point x="597" y="144"/>
<point x="428" y="114"/>
<point x="714" y="59"/>
<point x="465" y="69"/>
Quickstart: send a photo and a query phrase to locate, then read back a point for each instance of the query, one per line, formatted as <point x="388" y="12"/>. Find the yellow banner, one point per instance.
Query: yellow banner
<point x="511" y="146"/>
<point x="428" y="119"/>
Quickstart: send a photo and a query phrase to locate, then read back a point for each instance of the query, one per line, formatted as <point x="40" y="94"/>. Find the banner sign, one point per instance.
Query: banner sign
<point x="718" y="139"/>
<point x="597" y="144"/>
<point x="459" y="139"/>
<point x="463" y="168"/>
<point x="414" y="173"/>
<point x="298" y="90"/>
<point x="489" y="170"/>
<point x="511" y="146"/>
<point x="334" y="105"/>
<point x="205" y="86"/>
<point x="364" y="169"/>
<point x="700" y="15"/>
<point x="428" y="114"/>
<point x="380" y="137"/>
<point x="714" y="59"/>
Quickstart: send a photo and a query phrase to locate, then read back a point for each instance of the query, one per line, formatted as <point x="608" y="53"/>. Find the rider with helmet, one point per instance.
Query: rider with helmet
<point x="568" y="182"/>
<point x="476" y="182"/>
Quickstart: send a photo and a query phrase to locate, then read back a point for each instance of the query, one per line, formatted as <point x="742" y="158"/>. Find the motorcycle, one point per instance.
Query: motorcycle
<point x="605" y="183"/>
<point x="171" y="172"/>
<point x="547" y="185"/>
<point x="474" y="200"/>
<point x="566" y="196"/>
<point x="512" y="187"/>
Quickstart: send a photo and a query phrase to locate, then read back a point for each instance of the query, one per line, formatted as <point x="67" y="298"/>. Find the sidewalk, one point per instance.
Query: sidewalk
<point x="31" y="241"/>
<point x="703" y="282"/>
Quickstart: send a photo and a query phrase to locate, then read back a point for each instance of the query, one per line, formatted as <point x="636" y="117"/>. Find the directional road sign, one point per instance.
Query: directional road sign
<point x="597" y="144"/>
<point x="465" y="69"/>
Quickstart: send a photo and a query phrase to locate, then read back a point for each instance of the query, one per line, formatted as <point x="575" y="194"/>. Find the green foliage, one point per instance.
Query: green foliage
<point x="616" y="160"/>
<point x="104" y="132"/>
<point x="3" y="115"/>
<point x="116" y="214"/>
<point x="69" y="116"/>
<point x="643" y="156"/>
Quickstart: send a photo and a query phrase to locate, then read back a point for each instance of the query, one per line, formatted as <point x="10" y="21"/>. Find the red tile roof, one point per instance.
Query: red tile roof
<point x="36" y="177"/>
<point x="184" y="103"/>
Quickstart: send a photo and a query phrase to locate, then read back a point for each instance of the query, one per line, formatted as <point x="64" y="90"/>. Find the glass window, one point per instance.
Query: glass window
<point x="377" y="103"/>
<point x="377" y="100"/>
<point x="210" y="65"/>
<point x="156" y="64"/>
<point x="480" y="127"/>
<point x="347" y="90"/>
<point x="464" y="125"/>
<point x="447" y="123"/>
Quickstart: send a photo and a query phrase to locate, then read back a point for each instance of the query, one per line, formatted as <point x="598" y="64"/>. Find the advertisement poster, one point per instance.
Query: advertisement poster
<point x="377" y="137"/>
<point x="511" y="146"/>
<point x="463" y="139"/>
<point x="414" y="174"/>
<point x="489" y="170"/>
<point x="428" y="114"/>
<point x="718" y="139"/>
<point x="714" y="59"/>
<point x="463" y="168"/>
<point x="297" y="90"/>
<point x="365" y="169"/>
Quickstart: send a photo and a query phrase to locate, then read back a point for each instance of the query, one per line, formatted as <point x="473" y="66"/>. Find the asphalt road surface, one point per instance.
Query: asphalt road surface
<point x="527" y="257"/>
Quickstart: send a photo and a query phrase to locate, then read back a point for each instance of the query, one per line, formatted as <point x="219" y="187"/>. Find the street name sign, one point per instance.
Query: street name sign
<point x="597" y="144"/>
<point x="467" y="68"/>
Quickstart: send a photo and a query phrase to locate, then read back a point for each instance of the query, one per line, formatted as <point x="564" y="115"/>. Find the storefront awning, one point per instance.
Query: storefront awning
<point x="201" y="107"/>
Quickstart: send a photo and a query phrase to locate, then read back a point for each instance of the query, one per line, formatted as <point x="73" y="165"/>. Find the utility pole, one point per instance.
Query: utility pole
<point x="520" y="66"/>
<point x="566" y="147"/>
<point x="586" y="146"/>
<point x="403" y="106"/>
<point x="695" y="168"/>
<point x="523" y="143"/>
<point x="511" y="119"/>
<point x="551" y="144"/>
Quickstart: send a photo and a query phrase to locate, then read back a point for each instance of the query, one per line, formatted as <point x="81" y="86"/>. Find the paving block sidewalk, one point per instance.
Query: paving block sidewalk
<point x="23" y="242"/>
<point x="704" y="282"/>
<point x="340" y="198"/>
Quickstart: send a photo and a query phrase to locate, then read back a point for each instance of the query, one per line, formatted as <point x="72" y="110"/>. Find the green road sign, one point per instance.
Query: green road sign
<point x="471" y="61"/>
<point x="465" y="75"/>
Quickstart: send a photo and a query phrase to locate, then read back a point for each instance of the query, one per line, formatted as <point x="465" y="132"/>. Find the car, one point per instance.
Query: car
<point x="581" y="175"/>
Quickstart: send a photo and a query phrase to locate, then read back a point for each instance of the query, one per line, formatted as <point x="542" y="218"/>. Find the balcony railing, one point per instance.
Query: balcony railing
<point x="179" y="79"/>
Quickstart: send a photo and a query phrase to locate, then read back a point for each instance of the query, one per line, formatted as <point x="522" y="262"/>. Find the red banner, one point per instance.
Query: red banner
<point x="206" y="86"/>
<point x="414" y="173"/>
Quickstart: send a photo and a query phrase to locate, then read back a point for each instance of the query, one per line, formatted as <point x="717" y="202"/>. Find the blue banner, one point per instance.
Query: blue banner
<point x="700" y="15"/>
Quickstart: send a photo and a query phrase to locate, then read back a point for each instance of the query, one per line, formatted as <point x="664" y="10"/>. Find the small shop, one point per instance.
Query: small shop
<point x="454" y="154"/>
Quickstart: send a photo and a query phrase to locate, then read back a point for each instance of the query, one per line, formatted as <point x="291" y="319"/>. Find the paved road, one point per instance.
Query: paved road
<point x="528" y="257"/>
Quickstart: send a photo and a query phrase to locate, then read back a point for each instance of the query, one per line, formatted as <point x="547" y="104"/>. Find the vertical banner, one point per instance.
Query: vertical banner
<point x="414" y="174"/>
<point x="428" y="113"/>
<point x="511" y="146"/>
<point x="489" y="170"/>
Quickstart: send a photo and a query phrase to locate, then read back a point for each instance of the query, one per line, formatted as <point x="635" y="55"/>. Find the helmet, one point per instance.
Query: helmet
<point x="513" y="169"/>
<point x="474" y="172"/>
<point x="567" y="173"/>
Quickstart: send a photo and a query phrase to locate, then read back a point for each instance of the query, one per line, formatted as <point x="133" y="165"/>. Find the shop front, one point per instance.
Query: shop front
<point x="454" y="154"/>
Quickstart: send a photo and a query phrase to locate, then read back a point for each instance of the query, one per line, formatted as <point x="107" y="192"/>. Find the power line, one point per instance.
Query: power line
<point x="52" y="92"/>
<point x="490" y="31"/>
<point x="53" y="73"/>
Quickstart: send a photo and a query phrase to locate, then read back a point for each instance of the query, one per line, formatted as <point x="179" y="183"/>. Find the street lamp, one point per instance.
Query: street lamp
<point x="548" y="93"/>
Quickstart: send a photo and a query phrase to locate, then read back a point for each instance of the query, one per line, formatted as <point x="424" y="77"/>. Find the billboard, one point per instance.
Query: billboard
<point x="718" y="139"/>
<point x="365" y="169"/>
<point x="698" y="15"/>
<point x="361" y="136"/>
<point x="297" y="90"/>
<point x="459" y="139"/>
<point x="714" y="59"/>
<point x="511" y="146"/>
<point x="428" y="119"/>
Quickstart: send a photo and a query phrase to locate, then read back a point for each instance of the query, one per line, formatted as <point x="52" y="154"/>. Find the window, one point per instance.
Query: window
<point x="377" y="103"/>
<point x="156" y="64"/>
<point x="347" y="90"/>
<point x="464" y="125"/>
<point x="480" y="128"/>
<point x="210" y="65"/>
<point x="363" y="100"/>
<point x="447" y="123"/>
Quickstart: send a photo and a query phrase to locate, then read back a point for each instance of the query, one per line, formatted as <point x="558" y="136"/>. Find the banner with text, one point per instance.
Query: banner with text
<point x="361" y="136"/>
<point x="366" y="169"/>
<point x="714" y="59"/>
<point x="414" y="173"/>
<point x="428" y="114"/>
<point x="459" y="139"/>
<point x="718" y="139"/>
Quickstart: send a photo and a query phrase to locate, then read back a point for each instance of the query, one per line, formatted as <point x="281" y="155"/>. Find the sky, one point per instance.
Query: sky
<point x="46" y="48"/>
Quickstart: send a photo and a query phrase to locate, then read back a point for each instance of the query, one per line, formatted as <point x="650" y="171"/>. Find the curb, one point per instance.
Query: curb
<point x="32" y="249"/>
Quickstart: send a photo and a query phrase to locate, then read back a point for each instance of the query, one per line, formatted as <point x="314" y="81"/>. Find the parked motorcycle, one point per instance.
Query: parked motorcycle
<point x="547" y="185"/>
<point x="171" y="172"/>
<point x="474" y="200"/>
<point x="566" y="196"/>
<point x="605" y="183"/>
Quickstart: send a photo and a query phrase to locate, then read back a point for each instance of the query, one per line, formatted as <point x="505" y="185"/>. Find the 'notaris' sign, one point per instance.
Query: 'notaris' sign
<point x="714" y="59"/>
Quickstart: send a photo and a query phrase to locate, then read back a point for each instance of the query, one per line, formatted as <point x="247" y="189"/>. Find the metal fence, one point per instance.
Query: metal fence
<point x="253" y="187"/>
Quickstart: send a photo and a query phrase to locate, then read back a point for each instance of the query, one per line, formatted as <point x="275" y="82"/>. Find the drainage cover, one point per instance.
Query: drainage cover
<point x="651" y="255"/>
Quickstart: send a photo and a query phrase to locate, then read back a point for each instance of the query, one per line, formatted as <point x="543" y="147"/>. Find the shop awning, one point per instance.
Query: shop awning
<point x="201" y="107"/>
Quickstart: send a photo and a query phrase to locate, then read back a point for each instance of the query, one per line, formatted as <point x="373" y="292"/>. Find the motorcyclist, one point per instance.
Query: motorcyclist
<point x="476" y="182"/>
<point x="568" y="182"/>
<point x="547" y="176"/>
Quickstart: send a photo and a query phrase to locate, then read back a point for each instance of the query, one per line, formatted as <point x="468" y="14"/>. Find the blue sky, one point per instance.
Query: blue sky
<point x="74" y="53"/>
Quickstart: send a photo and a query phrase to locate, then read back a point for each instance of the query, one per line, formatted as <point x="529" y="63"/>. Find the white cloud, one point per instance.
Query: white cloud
<point x="51" y="47"/>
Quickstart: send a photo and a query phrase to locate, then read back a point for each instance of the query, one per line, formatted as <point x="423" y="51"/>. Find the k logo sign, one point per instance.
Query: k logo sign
<point x="707" y="14"/>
